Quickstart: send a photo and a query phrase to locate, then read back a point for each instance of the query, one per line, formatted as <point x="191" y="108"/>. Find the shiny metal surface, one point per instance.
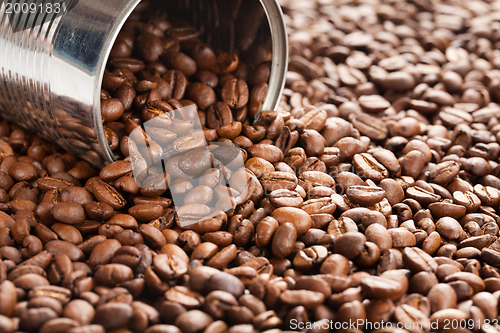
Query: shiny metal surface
<point x="51" y="66"/>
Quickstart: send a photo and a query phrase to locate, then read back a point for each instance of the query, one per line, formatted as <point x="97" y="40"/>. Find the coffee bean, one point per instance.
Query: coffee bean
<point x="488" y="195"/>
<point x="399" y="81"/>
<point x="169" y="266"/>
<point x="401" y="237"/>
<point x="115" y="170"/>
<point x="368" y="167"/>
<point x="103" y="252"/>
<point x="313" y="142"/>
<point x="311" y="179"/>
<point x="225" y="282"/>
<point x="372" y="127"/>
<point x="107" y="194"/>
<point x="490" y="256"/>
<point x="444" y="172"/>
<point x="113" y="274"/>
<point x="284" y="239"/>
<point x="297" y="217"/>
<point x="422" y="195"/>
<point x="285" y="198"/>
<point x="202" y="94"/>
<point x="64" y="247"/>
<point x="8" y="297"/>
<point x="23" y="171"/>
<point x="473" y="280"/>
<point x="443" y="316"/>
<point x="373" y="103"/>
<point x="418" y="260"/>
<point x="467" y="199"/>
<point x="379" y="235"/>
<point x="80" y="311"/>
<point x="442" y="296"/>
<point x="193" y="321"/>
<point x="449" y="228"/>
<point x="68" y="212"/>
<point x="113" y="315"/>
<point x="278" y="180"/>
<point x="112" y="109"/>
<point x="33" y="319"/>
<point x="146" y="212"/>
<point x="267" y="152"/>
<point x="365" y="195"/>
<point x="180" y="61"/>
<point x="308" y="299"/>
<point x="224" y="257"/>
<point x="235" y="93"/>
<point x="350" y="245"/>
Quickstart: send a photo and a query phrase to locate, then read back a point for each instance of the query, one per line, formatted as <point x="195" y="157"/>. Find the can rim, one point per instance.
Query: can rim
<point x="101" y="67"/>
<point x="279" y="64"/>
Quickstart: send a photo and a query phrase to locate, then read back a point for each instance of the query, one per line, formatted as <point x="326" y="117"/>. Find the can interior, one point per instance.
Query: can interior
<point x="254" y="29"/>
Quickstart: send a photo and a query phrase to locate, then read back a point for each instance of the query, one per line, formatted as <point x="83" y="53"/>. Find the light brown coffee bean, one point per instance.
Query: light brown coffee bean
<point x="449" y="228"/>
<point x="297" y="217"/>
<point x="350" y="244"/>
<point x="401" y="237"/>
<point x="107" y="194"/>
<point x="284" y="238"/>
<point x="278" y="180"/>
<point x="308" y="299"/>
<point x="365" y="195"/>
<point x="68" y="212"/>
<point x="113" y="274"/>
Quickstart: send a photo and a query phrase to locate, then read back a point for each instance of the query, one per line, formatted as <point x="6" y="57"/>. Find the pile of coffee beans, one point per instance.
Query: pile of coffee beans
<point x="374" y="186"/>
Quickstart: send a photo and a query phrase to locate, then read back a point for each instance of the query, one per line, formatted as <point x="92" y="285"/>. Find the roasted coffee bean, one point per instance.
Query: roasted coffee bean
<point x="105" y="193"/>
<point x="308" y="299"/>
<point x="202" y="94"/>
<point x="413" y="163"/>
<point x="268" y="152"/>
<point x="278" y="180"/>
<point x="365" y="195"/>
<point x="113" y="315"/>
<point x="417" y="260"/>
<point x="284" y="238"/>
<point x="68" y="212"/>
<point x="379" y="235"/>
<point x="112" y="109"/>
<point x="401" y="237"/>
<point x="311" y="179"/>
<point x="444" y="172"/>
<point x="409" y="314"/>
<point x="63" y="247"/>
<point x="372" y="127"/>
<point x="98" y="211"/>
<point x="235" y="93"/>
<point x="297" y="217"/>
<point x="113" y="274"/>
<point x="285" y="198"/>
<point x="319" y="206"/>
<point x="313" y="142"/>
<point x="369" y="168"/>
<point x="449" y="228"/>
<point x="350" y="245"/>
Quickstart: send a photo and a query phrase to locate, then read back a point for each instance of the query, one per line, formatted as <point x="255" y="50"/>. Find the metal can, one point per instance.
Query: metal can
<point x="52" y="61"/>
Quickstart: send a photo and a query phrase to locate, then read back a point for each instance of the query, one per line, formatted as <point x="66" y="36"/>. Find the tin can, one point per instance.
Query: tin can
<point x="52" y="60"/>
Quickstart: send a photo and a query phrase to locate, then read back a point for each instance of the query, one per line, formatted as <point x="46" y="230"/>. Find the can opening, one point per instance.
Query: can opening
<point x="243" y="27"/>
